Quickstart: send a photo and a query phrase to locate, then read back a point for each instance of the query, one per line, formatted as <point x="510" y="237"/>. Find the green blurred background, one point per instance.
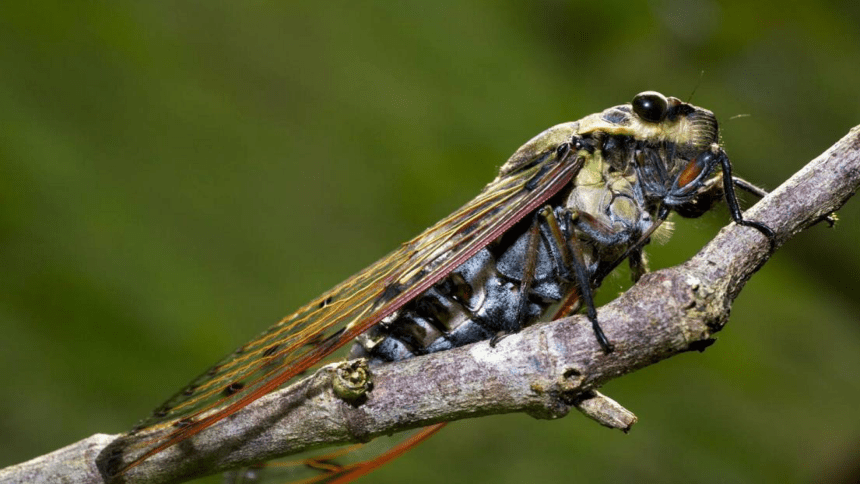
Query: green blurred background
<point x="176" y="177"/>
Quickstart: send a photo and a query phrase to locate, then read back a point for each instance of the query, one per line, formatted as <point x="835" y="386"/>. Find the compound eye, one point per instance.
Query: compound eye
<point x="650" y="106"/>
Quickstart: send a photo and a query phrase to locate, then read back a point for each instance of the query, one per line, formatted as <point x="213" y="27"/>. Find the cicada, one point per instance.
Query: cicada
<point x="567" y="207"/>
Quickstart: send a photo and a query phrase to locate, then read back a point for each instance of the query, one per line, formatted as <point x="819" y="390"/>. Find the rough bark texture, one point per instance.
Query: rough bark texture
<point x="544" y="370"/>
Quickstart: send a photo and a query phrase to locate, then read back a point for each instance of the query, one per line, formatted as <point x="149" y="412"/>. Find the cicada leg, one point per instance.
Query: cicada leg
<point x="711" y="192"/>
<point x="527" y="279"/>
<point x="571" y="262"/>
<point x="748" y="187"/>
<point x="735" y="207"/>
<point x="638" y="263"/>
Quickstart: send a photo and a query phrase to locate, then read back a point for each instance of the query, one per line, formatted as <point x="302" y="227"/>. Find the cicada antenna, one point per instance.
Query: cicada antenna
<point x="696" y="87"/>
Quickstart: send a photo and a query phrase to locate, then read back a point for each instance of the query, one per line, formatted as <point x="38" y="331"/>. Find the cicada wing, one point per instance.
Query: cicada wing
<point x="568" y="306"/>
<point x="337" y="466"/>
<point x="302" y="339"/>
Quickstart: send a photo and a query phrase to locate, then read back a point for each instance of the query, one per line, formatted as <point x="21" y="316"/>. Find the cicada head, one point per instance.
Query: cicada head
<point x="679" y="130"/>
<point x="653" y="118"/>
<point x="669" y="146"/>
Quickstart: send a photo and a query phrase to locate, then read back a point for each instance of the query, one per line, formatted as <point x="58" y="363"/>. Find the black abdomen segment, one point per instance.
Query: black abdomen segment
<point x="476" y="301"/>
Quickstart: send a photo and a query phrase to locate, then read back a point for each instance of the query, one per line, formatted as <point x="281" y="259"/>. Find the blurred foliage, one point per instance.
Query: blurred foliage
<point x="174" y="177"/>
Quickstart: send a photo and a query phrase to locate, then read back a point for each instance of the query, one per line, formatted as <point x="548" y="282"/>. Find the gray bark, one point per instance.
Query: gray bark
<point x="544" y="371"/>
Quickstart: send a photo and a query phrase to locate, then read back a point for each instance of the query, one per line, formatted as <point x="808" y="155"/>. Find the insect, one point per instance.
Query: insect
<point x="567" y="208"/>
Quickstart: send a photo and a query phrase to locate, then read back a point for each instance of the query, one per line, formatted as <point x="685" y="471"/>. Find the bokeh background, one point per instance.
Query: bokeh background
<point x="174" y="177"/>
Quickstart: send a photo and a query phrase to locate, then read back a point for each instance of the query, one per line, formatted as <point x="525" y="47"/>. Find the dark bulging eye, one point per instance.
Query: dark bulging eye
<point x="650" y="106"/>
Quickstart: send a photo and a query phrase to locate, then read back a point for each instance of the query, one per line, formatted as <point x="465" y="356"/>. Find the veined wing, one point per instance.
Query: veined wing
<point x="338" y="466"/>
<point x="302" y="339"/>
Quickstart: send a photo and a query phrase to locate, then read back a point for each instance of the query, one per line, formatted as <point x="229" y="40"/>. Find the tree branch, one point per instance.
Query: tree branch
<point x="544" y="370"/>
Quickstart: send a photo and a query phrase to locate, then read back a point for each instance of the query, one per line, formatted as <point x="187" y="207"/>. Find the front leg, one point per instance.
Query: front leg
<point x="638" y="263"/>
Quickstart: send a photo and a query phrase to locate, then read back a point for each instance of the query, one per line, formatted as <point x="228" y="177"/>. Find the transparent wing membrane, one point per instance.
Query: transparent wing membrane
<point x="341" y="465"/>
<point x="304" y="338"/>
